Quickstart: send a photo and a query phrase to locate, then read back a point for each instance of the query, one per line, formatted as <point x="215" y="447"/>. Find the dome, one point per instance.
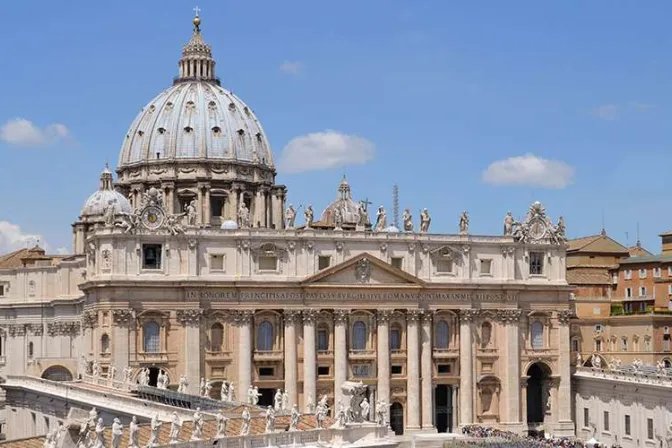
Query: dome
<point x="349" y="209"/>
<point x="391" y="229"/>
<point x="229" y="225"/>
<point x="105" y="196"/>
<point x="196" y="119"/>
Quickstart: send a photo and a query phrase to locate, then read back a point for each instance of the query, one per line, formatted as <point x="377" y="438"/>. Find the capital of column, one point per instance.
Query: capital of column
<point x="189" y="317"/>
<point x="564" y="316"/>
<point x="123" y="317"/>
<point x="469" y="315"/>
<point x="341" y="316"/>
<point x="244" y="317"/>
<point x="428" y="316"/>
<point x="413" y="315"/>
<point x="90" y="319"/>
<point x="384" y="316"/>
<point x="291" y="316"/>
<point x="509" y="317"/>
<point x="167" y="185"/>
<point x="310" y="315"/>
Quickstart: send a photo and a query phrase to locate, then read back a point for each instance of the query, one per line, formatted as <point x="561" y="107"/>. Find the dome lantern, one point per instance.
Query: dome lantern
<point x="196" y="63"/>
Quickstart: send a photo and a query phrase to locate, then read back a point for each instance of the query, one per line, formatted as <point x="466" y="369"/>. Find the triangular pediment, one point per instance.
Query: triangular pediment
<point x="363" y="269"/>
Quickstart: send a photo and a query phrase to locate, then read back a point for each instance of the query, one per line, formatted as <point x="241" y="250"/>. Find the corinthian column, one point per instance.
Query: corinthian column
<point x="291" y="318"/>
<point x="243" y="320"/>
<point x="123" y="320"/>
<point x="412" y="364"/>
<point x="426" y="371"/>
<point x="466" y="367"/>
<point x="191" y="320"/>
<point x="309" y="360"/>
<point x="340" y="353"/>
<point x="383" y="351"/>
<point x="564" y="397"/>
<point x="512" y="395"/>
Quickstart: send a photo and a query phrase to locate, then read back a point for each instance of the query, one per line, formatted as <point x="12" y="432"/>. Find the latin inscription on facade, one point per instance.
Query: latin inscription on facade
<point x="244" y="296"/>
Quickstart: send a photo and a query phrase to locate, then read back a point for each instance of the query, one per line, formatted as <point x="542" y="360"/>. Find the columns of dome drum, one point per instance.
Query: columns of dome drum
<point x="426" y="373"/>
<point x="309" y="360"/>
<point x="383" y="334"/>
<point x="412" y="367"/>
<point x="291" y="380"/>
<point x="199" y="215"/>
<point x="258" y="210"/>
<point x="340" y="354"/>
<point x="466" y="370"/>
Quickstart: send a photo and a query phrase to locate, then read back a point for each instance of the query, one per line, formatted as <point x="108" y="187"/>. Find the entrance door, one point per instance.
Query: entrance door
<point x="153" y="375"/>
<point x="443" y="403"/>
<point x="397" y="418"/>
<point x="537" y="392"/>
<point x="266" y="398"/>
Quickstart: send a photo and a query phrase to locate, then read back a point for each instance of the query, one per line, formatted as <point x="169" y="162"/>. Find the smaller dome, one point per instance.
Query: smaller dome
<point x="348" y="209"/>
<point x="106" y="196"/>
<point x="229" y="225"/>
<point x="391" y="229"/>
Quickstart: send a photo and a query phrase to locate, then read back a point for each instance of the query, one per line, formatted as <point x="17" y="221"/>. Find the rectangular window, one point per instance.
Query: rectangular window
<point x="606" y="420"/>
<point x="536" y="263"/>
<point x="216" y="263"/>
<point x="666" y="342"/>
<point x="627" y="307"/>
<point x="397" y="262"/>
<point x="628" y="293"/>
<point x="657" y="272"/>
<point x="642" y="291"/>
<point x="217" y="206"/>
<point x="575" y="345"/>
<point x="322" y="370"/>
<point x="486" y="267"/>
<point x="443" y="369"/>
<point x="649" y="428"/>
<point x="627" y="425"/>
<point x="268" y="263"/>
<point x="598" y="345"/>
<point x="669" y="271"/>
<point x="2" y="290"/>
<point x="444" y="266"/>
<point x="323" y="262"/>
<point x="266" y="371"/>
<point x="642" y="273"/>
<point x="669" y="290"/>
<point x="151" y="256"/>
<point x="614" y="279"/>
<point x="586" y="418"/>
<point x="322" y="340"/>
<point x="396" y="370"/>
<point x="627" y="274"/>
<point x="360" y="370"/>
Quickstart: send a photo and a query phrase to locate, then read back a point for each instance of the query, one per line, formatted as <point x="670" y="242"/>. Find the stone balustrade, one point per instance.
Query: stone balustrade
<point x="626" y="376"/>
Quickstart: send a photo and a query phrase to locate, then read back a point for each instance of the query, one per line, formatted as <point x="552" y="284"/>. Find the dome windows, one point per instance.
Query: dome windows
<point x="247" y="111"/>
<point x="217" y="131"/>
<point x="232" y="107"/>
<point x="169" y="106"/>
<point x="188" y="129"/>
<point x="241" y="132"/>
<point x="141" y="133"/>
<point x="152" y="108"/>
<point x="258" y="135"/>
<point x="162" y="131"/>
<point x="212" y="106"/>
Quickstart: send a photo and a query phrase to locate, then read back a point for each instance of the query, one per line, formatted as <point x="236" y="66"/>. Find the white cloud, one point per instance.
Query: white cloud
<point x="324" y="150"/>
<point x="607" y="111"/>
<point x="529" y="170"/>
<point x="291" y="67"/>
<point x="13" y="238"/>
<point x="22" y="132"/>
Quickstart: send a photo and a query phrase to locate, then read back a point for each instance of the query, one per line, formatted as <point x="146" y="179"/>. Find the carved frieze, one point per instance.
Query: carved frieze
<point x="189" y="317"/>
<point x="36" y="329"/>
<point x="63" y="328"/>
<point x="16" y="330"/>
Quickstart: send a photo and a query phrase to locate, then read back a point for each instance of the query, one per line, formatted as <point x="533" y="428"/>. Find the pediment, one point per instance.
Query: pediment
<point x="364" y="269"/>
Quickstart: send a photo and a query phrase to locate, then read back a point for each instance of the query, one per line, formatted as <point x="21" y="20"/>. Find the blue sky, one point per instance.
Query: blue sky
<point x="578" y="91"/>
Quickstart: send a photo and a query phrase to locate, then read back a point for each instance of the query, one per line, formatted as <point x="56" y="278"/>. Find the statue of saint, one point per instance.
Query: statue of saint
<point x="175" y="427"/>
<point x="290" y="216"/>
<point x="243" y="216"/>
<point x="270" y="419"/>
<point x="191" y="213"/>
<point x="117" y="431"/>
<point x="407" y="218"/>
<point x="309" y="215"/>
<point x="277" y="400"/>
<point x="363" y="213"/>
<point x="381" y="219"/>
<point x="197" y="431"/>
<point x="464" y="223"/>
<point x="338" y="219"/>
<point x="508" y="224"/>
<point x="221" y="424"/>
<point x="155" y="425"/>
<point x="425" y="221"/>
<point x="108" y="213"/>
<point x="245" y="427"/>
<point x="296" y="416"/>
<point x="133" y="430"/>
<point x="366" y="409"/>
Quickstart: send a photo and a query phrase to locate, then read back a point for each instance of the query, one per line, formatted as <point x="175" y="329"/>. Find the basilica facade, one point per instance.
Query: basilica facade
<point x="193" y="263"/>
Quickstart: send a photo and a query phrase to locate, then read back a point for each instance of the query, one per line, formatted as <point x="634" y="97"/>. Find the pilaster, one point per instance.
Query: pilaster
<point x="412" y="366"/>
<point x="340" y="353"/>
<point x="123" y="320"/>
<point x="190" y="320"/>
<point x="383" y="351"/>
<point x="426" y="371"/>
<point x="291" y="318"/>
<point x="466" y="367"/>
<point x="309" y="359"/>
<point x="243" y="320"/>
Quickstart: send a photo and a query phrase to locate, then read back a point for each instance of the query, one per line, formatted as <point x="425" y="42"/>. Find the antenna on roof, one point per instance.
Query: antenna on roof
<point x="627" y="239"/>
<point x="638" y="244"/>
<point x="395" y="202"/>
<point x="604" y="230"/>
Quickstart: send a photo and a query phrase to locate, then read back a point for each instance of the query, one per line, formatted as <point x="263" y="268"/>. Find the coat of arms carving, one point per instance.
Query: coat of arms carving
<point x="363" y="270"/>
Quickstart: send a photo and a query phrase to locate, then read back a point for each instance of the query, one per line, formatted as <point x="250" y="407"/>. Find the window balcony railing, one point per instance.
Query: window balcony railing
<point x="263" y="355"/>
<point x="362" y="354"/>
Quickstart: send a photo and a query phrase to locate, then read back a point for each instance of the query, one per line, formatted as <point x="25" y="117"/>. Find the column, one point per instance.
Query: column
<point x="262" y="211"/>
<point x="413" y="371"/>
<point x="456" y="408"/>
<point x="257" y="209"/>
<point x="564" y="395"/>
<point x="244" y="322"/>
<point x="233" y="200"/>
<point x="199" y="215"/>
<point x="426" y="372"/>
<point x="191" y="325"/>
<point x="206" y="206"/>
<point x="122" y="321"/>
<point x="309" y="360"/>
<point x="466" y="367"/>
<point x="340" y="353"/>
<point x="291" y="380"/>
<point x="511" y="386"/>
<point x="383" y="351"/>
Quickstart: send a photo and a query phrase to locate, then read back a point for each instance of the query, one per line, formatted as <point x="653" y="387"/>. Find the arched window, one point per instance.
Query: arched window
<point x="395" y="338"/>
<point x="486" y="334"/>
<point x="151" y="337"/>
<point x="442" y="335"/>
<point x="624" y="344"/>
<point x="537" y="334"/>
<point x="216" y="337"/>
<point x="31" y="349"/>
<point x="323" y="338"/>
<point x="359" y="336"/>
<point x="265" y="336"/>
<point x="57" y="373"/>
<point x="105" y="344"/>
